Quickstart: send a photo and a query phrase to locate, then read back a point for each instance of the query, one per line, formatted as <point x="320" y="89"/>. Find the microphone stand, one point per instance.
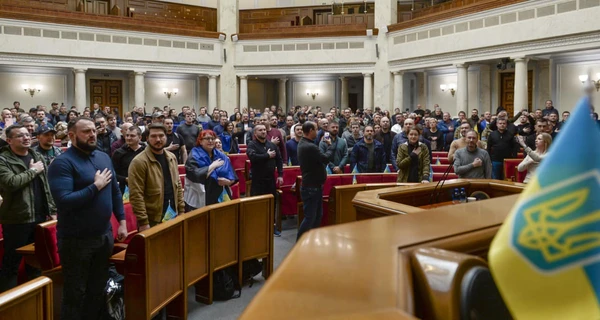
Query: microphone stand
<point x="442" y="180"/>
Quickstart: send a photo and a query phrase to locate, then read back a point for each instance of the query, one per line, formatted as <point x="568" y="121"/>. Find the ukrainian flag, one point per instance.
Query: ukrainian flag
<point x="289" y="161"/>
<point x="354" y="171"/>
<point x="438" y="161"/>
<point x="546" y="257"/>
<point x="224" y="196"/>
<point x="387" y="169"/>
<point x="328" y="169"/>
<point x="169" y="214"/>
<point x="126" y="195"/>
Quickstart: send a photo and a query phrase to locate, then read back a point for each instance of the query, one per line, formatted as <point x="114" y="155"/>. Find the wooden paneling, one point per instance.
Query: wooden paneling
<point x="223" y="235"/>
<point x="147" y="16"/>
<point x="445" y="11"/>
<point x="507" y="91"/>
<point x="107" y="93"/>
<point x="196" y="246"/>
<point x="309" y="32"/>
<point x="31" y="301"/>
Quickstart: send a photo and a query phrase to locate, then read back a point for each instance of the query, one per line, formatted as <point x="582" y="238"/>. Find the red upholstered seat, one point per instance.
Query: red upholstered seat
<point x="441" y="154"/>
<point x="131" y="221"/>
<point x="235" y="191"/>
<point x="181" y="169"/>
<point x="443" y="160"/>
<point x="46" y="248"/>
<point x="182" y="178"/>
<point x="441" y="168"/>
<point x="389" y="177"/>
<point x="368" y="178"/>
<point x="238" y="162"/>
<point x="510" y="169"/>
<point x="288" y="198"/>
<point x="521" y="176"/>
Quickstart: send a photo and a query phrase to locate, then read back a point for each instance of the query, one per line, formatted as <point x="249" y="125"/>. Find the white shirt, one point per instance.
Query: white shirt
<point x="397" y="128"/>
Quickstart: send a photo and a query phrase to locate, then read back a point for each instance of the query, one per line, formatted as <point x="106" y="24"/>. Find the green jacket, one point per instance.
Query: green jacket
<point x="15" y="188"/>
<point x="403" y="162"/>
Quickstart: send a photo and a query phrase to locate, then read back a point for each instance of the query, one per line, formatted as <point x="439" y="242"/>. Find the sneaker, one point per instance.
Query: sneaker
<point x="277" y="233"/>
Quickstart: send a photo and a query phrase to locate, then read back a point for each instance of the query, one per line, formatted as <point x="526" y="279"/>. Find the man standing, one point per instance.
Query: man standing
<point x="175" y="142"/>
<point x="154" y="181"/>
<point x="461" y="142"/>
<point x="368" y="154"/>
<point x="202" y="117"/>
<point x="292" y="146"/>
<point x="82" y="184"/>
<point x="218" y="129"/>
<point x="105" y="137"/>
<point x="275" y="136"/>
<point x="386" y="136"/>
<point x="124" y="155"/>
<point x="26" y="200"/>
<point x="501" y="145"/>
<point x="353" y="136"/>
<point x="472" y="162"/>
<point x="549" y="109"/>
<point x="264" y="157"/>
<point x="111" y="125"/>
<point x="46" y="146"/>
<point x="312" y="166"/>
<point x="189" y="131"/>
<point x="397" y="127"/>
<point x="339" y="157"/>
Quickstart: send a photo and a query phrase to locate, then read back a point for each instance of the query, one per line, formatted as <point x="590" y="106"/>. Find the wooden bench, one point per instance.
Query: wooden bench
<point x="29" y="301"/>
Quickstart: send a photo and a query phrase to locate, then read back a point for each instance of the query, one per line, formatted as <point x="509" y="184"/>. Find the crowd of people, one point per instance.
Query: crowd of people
<point x="139" y="154"/>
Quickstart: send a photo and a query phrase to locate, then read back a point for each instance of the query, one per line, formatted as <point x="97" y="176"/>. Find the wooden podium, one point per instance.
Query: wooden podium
<point x="364" y="267"/>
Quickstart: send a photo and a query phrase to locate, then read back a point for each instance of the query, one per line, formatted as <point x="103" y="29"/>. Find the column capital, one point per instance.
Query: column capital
<point x="462" y="65"/>
<point x="398" y="73"/>
<point x="79" y="70"/>
<point x="520" y="59"/>
<point x="367" y="74"/>
<point x="243" y="76"/>
<point x="344" y="78"/>
<point x="213" y="76"/>
<point x="284" y="80"/>
<point x="139" y="73"/>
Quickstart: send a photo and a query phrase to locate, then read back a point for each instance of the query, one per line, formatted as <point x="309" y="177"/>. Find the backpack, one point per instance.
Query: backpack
<point x="225" y="283"/>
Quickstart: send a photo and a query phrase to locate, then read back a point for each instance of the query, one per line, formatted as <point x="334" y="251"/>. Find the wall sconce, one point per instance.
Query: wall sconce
<point x="170" y="93"/>
<point x="313" y="94"/>
<point x="31" y="90"/>
<point x="451" y="87"/>
<point x="585" y="78"/>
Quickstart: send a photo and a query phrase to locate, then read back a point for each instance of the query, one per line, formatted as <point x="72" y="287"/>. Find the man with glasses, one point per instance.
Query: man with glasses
<point x="27" y="200"/>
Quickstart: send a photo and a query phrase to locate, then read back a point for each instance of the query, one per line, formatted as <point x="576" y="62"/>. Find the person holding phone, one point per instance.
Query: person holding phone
<point x="105" y="137"/>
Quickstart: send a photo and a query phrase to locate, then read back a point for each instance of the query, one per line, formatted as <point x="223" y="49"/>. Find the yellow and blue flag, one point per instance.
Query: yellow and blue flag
<point x="328" y="169"/>
<point x="387" y="169"/>
<point x="224" y="196"/>
<point x="126" y="195"/>
<point x="289" y="161"/>
<point x="438" y="161"/>
<point x="545" y="258"/>
<point x="169" y="214"/>
<point x="354" y="171"/>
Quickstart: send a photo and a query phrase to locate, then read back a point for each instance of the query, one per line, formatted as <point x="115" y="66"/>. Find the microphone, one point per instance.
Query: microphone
<point x="438" y="184"/>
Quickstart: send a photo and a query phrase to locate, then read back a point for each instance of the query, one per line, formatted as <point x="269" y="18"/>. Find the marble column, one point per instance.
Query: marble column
<point x="368" y="91"/>
<point x="520" y="98"/>
<point x="243" y="93"/>
<point x="212" y="92"/>
<point x="228" y="23"/>
<point x="80" y="91"/>
<point x="398" y="90"/>
<point x="385" y="15"/>
<point x="344" y="93"/>
<point x="140" y="89"/>
<point x="281" y="92"/>
<point x="462" y="89"/>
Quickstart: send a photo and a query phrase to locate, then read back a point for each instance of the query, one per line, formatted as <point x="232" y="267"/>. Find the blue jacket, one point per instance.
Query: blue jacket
<point x="359" y="157"/>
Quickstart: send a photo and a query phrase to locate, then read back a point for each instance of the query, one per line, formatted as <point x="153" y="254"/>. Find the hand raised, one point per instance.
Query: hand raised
<point x="275" y="140"/>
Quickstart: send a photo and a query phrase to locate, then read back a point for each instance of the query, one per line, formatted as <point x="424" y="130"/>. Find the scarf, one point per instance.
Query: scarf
<point x="225" y="171"/>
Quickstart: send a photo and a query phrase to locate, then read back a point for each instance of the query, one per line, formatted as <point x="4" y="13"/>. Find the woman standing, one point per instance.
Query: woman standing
<point x="533" y="158"/>
<point x="228" y="140"/>
<point x="208" y="172"/>
<point x="413" y="159"/>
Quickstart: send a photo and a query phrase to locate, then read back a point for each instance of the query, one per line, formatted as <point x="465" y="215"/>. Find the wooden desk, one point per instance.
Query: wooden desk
<point x="28" y="253"/>
<point x="437" y="205"/>
<point x="355" y="268"/>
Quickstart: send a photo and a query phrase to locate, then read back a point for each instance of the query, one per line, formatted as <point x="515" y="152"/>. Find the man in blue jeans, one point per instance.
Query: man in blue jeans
<point x="312" y="164"/>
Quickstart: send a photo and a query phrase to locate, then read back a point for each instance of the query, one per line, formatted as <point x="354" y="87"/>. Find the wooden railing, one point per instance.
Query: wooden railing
<point x="166" y="25"/>
<point x="446" y="11"/>
<point x="309" y="32"/>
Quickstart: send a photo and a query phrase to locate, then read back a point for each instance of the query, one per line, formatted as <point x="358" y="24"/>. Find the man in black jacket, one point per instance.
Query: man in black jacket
<point x="501" y="145"/>
<point x="123" y="156"/>
<point x="264" y="156"/>
<point x="312" y="165"/>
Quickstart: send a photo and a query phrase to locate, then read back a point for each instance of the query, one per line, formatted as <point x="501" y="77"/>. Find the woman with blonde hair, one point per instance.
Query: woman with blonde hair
<point x="534" y="157"/>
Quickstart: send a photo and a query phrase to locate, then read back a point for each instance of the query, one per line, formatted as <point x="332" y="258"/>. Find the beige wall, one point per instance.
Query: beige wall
<point x="569" y="88"/>
<point x="54" y="89"/>
<point x="326" y="90"/>
<point x="156" y="98"/>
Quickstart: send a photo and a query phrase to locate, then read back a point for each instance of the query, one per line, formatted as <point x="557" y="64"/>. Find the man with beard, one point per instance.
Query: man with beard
<point x="154" y="183"/>
<point x="82" y="184"/>
<point x="105" y="137"/>
<point x="460" y="142"/>
<point x="46" y="146"/>
<point x="386" y="136"/>
<point x="368" y="154"/>
<point x="472" y="162"/>
<point x="292" y="145"/>
<point x="124" y="155"/>
<point x="175" y="142"/>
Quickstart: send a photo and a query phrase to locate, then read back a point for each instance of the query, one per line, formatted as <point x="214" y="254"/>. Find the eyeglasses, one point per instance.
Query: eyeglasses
<point x="209" y="139"/>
